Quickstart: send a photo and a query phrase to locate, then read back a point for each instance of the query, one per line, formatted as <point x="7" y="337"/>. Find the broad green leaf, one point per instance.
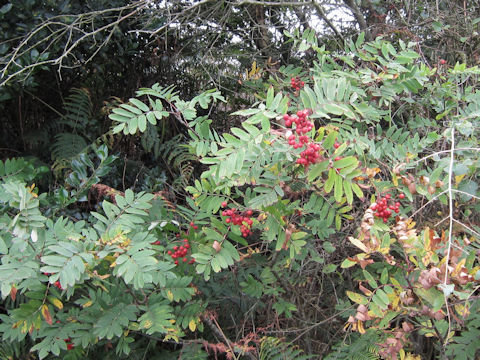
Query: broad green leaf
<point x="330" y="140"/>
<point x="357" y="298"/>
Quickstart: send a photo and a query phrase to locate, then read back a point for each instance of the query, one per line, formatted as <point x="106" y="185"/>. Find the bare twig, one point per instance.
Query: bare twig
<point x="322" y="14"/>
<point x="65" y="29"/>
<point x="450" y="226"/>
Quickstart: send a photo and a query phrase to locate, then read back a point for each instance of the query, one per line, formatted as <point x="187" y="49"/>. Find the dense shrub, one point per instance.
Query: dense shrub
<point x="362" y="169"/>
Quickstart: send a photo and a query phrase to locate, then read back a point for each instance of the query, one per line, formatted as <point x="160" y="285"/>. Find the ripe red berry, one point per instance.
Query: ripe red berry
<point x="192" y="224"/>
<point x="336" y="145"/>
<point x="224" y="204"/>
<point x="338" y="158"/>
<point x="401" y="196"/>
<point x="442" y="61"/>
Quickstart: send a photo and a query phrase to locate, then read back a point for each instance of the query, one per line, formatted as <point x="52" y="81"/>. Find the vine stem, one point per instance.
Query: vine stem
<point x="450" y="228"/>
<point x="443" y="152"/>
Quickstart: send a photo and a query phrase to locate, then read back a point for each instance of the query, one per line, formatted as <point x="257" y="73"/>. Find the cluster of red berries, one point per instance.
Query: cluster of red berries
<point x="180" y="252"/>
<point x="56" y="283"/>
<point x="296" y="83"/>
<point x="385" y="206"/>
<point x="302" y="126"/>
<point x="242" y="218"/>
<point x="69" y="344"/>
<point x="309" y="155"/>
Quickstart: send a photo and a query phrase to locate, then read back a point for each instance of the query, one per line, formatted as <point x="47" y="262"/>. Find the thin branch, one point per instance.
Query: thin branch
<point x="467" y="227"/>
<point x="450" y="227"/>
<point x="424" y="205"/>
<point x="55" y="35"/>
<point x="465" y="193"/>
<point x="445" y="151"/>
<point x="322" y="14"/>
<point x="357" y="14"/>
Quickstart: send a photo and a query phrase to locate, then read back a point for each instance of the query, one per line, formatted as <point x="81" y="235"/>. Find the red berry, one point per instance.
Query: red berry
<point x="401" y="196"/>
<point x="224" y="204"/>
<point x="227" y="220"/>
<point x="338" y="158"/>
<point x="184" y="259"/>
<point x="336" y="145"/>
<point x="192" y="224"/>
<point x="176" y="262"/>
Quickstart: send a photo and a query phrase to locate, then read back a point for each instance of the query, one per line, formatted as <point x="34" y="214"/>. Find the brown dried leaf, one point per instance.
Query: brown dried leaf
<point x="217" y="246"/>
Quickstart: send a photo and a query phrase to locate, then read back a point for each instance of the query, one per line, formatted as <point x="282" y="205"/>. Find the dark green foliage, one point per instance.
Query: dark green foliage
<point x="67" y="145"/>
<point x="98" y="267"/>
<point x="357" y="347"/>
<point x="466" y="345"/>
<point x="275" y="349"/>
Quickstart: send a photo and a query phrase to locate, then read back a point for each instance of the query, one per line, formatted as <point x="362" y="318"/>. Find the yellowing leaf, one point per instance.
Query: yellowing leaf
<point x="395" y="179"/>
<point x="87" y="304"/>
<point x="46" y="314"/>
<point x="358" y="244"/>
<point x="171" y="336"/>
<point x="170" y="295"/>
<point x="147" y="324"/>
<point x="55" y="302"/>
<point x="360" y="327"/>
<point x="458" y="267"/>
<point x="371" y="172"/>
<point x="192" y="325"/>
<point x="411" y="356"/>
<point x="462" y="310"/>
<point x="459" y="178"/>
<point x="357" y="298"/>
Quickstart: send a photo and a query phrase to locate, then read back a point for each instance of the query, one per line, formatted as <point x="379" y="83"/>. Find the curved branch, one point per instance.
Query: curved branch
<point x="357" y="14"/>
